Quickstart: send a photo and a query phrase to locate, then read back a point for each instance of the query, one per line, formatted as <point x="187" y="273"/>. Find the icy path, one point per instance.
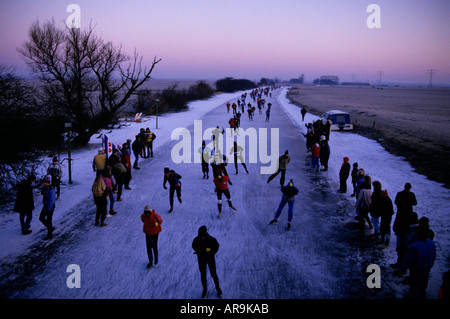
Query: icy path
<point x="320" y="257"/>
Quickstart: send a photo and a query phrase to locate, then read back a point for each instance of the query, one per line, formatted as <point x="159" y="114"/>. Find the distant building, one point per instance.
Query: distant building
<point x="299" y="80"/>
<point x="327" y="80"/>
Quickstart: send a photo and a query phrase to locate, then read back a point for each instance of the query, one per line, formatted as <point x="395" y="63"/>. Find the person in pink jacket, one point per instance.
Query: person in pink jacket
<point x="152" y="227"/>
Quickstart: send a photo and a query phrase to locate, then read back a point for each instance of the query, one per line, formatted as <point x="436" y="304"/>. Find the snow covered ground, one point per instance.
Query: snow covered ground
<point x="322" y="257"/>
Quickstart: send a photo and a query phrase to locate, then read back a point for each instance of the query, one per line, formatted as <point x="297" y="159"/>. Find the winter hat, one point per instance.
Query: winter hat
<point x="202" y="230"/>
<point x="147" y="208"/>
<point x="55" y="159"/>
<point x="286" y="152"/>
<point x="166" y="170"/>
<point x="47" y="179"/>
<point x="346" y="159"/>
<point x="291" y="182"/>
<point x="100" y="150"/>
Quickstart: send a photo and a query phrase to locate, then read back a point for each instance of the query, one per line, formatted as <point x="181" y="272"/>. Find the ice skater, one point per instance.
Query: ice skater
<point x="289" y="191"/>
<point x="152" y="227"/>
<point x="205" y="154"/>
<point x="237" y="151"/>
<point x="221" y="183"/>
<point x="175" y="185"/>
<point x="206" y="247"/>
<point x="283" y="161"/>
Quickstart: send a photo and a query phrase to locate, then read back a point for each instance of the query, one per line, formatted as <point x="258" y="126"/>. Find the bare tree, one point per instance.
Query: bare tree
<point x="84" y="75"/>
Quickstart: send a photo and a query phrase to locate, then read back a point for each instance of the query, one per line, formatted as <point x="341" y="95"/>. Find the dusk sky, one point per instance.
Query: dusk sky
<point x="209" y="39"/>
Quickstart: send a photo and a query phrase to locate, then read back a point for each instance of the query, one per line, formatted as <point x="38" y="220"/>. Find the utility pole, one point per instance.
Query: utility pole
<point x="68" y="125"/>
<point x="380" y="74"/>
<point x="430" y="72"/>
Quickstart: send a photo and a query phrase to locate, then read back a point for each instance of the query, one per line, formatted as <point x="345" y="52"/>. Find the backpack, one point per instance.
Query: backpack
<point x="98" y="187"/>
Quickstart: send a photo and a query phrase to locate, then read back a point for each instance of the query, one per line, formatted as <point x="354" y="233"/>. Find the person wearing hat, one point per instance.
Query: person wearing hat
<point x="344" y="172"/>
<point x="55" y="171"/>
<point x="283" y="161"/>
<point x="175" y="185"/>
<point x="24" y="204"/>
<point x="221" y="182"/>
<point x="205" y="247"/>
<point x="48" y="200"/>
<point x="289" y="191"/>
<point x="152" y="227"/>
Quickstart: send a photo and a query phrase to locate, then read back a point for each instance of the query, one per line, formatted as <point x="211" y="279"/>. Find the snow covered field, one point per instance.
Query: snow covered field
<point x="322" y="257"/>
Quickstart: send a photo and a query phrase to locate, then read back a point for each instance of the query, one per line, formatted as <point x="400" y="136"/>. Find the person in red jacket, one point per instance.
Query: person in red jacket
<point x="221" y="183"/>
<point x="315" y="154"/>
<point x="152" y="227"/>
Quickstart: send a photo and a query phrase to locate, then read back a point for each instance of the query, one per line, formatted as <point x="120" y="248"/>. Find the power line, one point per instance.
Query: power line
<point x="430" y="72"/>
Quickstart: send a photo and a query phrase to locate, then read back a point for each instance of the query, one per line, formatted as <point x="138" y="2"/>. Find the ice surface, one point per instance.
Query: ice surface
<point x="321" y="257"/>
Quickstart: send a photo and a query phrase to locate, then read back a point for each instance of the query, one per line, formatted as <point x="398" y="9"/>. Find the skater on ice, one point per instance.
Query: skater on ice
<point x="283" y="161"/>
<point x="237" y="150"/>
<point x="289" y="192"/>
<point x="221" y="183"/>
<point x="205" y="247"/>
<point x="175" y="185"/>
<point x="152" y="227"/>
<point x="205" y="154"/>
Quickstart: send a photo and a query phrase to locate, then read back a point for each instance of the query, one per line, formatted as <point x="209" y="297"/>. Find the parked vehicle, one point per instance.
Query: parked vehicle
<point x="340" y="120"/>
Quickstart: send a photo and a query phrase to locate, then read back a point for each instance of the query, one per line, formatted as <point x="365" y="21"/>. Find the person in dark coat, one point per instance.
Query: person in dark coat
<point x="175" y="185"/>
<point x="404" y="200"/>
<point x="343" y="175"/>
<point x="419" y="259"/>
<point x="237" y="152"/>
<point x="206" y="247"/>
<point x="55" y="171"/>
<point x="289" y="191"/>
<point x="137" y="151"/>
<point x="354" y="175"/>
<point x="205" y="154"/>
<point x="24" y="204"/>
<point x="381" y="206"/>
<point x="303" y="111"/>
<point x="324" y="153"/>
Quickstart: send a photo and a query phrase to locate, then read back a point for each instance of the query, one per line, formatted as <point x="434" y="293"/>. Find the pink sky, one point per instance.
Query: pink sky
<point x="209" y="39"/>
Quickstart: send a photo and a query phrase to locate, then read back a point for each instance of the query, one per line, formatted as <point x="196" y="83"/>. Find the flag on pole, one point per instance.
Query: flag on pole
<point x="107" y="146"/>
